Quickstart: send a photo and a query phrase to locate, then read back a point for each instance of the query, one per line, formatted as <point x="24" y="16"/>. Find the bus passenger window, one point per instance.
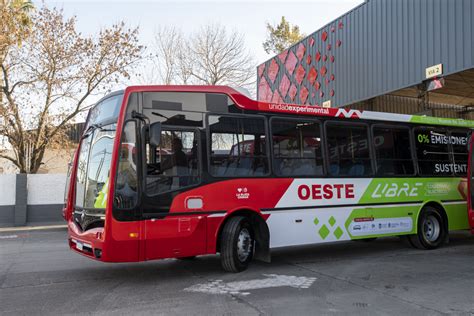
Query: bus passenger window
<point x="393" y="151"/>
<point x="348" y="150"/>
<point x="432" y="151"/>
<point x="296" y="148"/>
<point x="238" y="146"/>
<point x="459" y="142"/>
<point x="174" y="164"/>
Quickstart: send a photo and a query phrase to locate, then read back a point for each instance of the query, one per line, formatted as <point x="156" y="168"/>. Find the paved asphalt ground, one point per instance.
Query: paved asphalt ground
<point x="39" y="275"/>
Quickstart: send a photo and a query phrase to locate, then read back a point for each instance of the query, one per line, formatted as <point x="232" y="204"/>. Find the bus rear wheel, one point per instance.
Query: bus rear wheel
<point x="432" y="230"/>
<point x="237" y="244"/>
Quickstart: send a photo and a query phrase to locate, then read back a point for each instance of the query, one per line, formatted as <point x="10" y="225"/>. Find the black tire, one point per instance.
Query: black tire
<point x="432" y="229"/>
<point x="234" y="228"/>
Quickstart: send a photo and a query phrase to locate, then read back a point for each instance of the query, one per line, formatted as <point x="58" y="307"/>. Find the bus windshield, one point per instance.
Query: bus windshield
<point x="95" y="156"/>
<point x="94" y="168"/>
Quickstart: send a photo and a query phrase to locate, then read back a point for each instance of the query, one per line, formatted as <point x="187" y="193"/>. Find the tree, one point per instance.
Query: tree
<point x="210" y="56"/>
<point x="14" y="23"/>
<point x="49" y="78"/>
<point x="220" y="57"/>
<point x="281" y="36"/>
<point x="168" y="42"/>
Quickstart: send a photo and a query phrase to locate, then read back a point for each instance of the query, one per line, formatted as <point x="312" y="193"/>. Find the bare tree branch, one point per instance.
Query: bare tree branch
<point x="49" y="78"/>
<point x="211" y="56"/>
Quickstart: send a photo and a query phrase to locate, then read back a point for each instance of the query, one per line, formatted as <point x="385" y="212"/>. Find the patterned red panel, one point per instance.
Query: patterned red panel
<point x="295" y="77"/>
<point x="324" y="36"/>
<point x="300" y="51"/>
<point x="273" y="70"/>
<point x="276" y="98"/>
<point x="300" y="73"/>
<point x="282" y="56"/>
<point x="292" y="92"/>
<point x="260" y="70"/>
<point x="284" y="85"/>
<point x="264" y="90"/>
<point x="312" y="75"/>
<point x="317" y="56"/>
<point x="303" y="94"/>
<point x="324" y="71"/>
<point x="291" y="62"/>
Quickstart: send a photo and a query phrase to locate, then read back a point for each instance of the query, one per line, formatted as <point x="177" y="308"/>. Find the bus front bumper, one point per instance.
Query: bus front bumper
<point x="88" y="243"/>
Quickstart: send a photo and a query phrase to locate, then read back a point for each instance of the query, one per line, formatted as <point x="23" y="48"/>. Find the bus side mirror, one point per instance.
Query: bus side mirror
<point x="155" y="134"/>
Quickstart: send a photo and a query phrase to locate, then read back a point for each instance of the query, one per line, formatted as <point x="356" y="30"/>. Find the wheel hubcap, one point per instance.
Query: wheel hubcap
<point x="244" y="245"/>
<point x="431" y="228"/>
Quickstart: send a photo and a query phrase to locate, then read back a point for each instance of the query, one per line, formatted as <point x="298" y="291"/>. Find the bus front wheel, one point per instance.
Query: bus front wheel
<point x="432" y="230"/>
<point x="237" y="244"/>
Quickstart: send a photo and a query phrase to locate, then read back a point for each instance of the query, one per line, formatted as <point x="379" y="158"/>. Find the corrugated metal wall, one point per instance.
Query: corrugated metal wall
<point x="378" y="47"/>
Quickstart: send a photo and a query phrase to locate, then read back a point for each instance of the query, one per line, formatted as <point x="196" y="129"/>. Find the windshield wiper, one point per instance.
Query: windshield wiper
<point x="160" y="115"/>
<point x="89" y="130"/>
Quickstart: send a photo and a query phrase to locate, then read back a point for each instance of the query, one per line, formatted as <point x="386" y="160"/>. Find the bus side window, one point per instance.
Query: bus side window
<point x="348" y="150"/>
<point x="432" y="151"/>
<point x="296" y="148"/>
<point x="392" y="151"/>
<point x="238" y="147"/>
<point x="459" y="142"/>
<point x="174" y="163"/>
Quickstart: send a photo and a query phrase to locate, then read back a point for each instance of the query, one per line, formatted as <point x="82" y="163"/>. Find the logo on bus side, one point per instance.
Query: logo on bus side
<point x="326" y="191"/>
<point x="242" y="193"/>
<point x="395" y="190"/>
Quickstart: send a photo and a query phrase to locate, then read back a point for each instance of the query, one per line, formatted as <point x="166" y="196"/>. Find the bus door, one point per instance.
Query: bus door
<point x="173" y="168"/>
<point x="470" y="183"/>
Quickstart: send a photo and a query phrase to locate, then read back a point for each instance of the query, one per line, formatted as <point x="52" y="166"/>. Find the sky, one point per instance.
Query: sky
<point x="247" y="17"/>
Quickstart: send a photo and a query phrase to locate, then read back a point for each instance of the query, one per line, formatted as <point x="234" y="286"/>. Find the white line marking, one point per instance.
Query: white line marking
<point x="242" y="287"/>
<point x="26" y="228"/>
<point x="9" y="237"/>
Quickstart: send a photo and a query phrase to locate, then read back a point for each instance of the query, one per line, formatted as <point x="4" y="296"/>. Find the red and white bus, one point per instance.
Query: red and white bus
<point x="183" y="171"/>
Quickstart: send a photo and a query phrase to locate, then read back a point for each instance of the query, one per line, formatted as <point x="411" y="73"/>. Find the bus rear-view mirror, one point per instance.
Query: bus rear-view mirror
<point x="155" y="134"/>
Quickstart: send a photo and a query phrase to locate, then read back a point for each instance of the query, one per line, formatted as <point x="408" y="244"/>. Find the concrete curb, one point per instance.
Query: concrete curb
<point x="29" y="228"/>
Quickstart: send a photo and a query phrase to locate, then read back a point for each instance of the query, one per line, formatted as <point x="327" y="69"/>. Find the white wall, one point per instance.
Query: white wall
<point x="46" y="188"/>
<point x="7" y="189"/>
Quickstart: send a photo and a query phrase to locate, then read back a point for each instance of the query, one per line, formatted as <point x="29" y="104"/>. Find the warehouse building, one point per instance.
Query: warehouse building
<point x="401" y="56"/>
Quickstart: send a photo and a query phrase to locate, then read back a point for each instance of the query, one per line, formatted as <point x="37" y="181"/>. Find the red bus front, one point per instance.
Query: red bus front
<point x="132" y="199"/>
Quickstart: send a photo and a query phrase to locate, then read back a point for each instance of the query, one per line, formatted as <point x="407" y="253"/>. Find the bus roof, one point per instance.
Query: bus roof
<point x="245" y="103"/>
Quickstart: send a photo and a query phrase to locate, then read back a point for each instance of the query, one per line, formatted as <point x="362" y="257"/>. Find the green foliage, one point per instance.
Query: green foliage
<point x="281" y="36"/>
